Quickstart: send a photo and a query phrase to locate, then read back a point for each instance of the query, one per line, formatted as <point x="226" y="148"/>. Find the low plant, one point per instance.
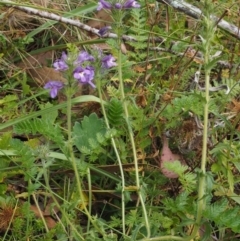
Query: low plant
<point x="146" y="156"/>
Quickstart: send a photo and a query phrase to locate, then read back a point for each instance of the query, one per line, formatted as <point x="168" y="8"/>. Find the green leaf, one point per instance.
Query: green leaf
<point x="230" y="180"/>
<point x="51" y="116"/>
<point x="5" y="140"/>
<point x="115" y="112"/>
<point x="44" y="127"/>
<point x="79" y="99"/>
<point x="7" y="99"/>
<point x="89" y="134"/>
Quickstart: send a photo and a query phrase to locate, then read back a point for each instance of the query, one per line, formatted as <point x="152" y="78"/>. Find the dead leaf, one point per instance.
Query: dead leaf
<point x="236" y="107"/>
<point x="44" y="74"/>
<point x="51" y="223"/>
<point x="139" y="69"/>
<point x="36" y="60"/>
<point x="35" y="66"/>
<point x="101" y="19"/>
<point x="38" y="213"/>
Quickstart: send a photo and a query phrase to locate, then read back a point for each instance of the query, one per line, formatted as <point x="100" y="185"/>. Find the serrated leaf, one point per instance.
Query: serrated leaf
<point x="87" y="133"/>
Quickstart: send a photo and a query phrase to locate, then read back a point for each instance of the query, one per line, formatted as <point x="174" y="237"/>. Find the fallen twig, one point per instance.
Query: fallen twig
<point x="182" y="6"/>
<point x="61" y="19"/>
<point x="196" y="13"/>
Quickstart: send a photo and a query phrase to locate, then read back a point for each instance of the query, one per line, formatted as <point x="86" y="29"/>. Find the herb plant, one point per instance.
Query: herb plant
<point x="133" y="135"/>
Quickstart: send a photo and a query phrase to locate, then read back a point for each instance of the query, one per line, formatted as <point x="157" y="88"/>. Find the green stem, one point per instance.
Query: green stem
<point x="202" y="179"/>
<point x="73" y="160"/>
<point x="89" y="197"/>
<point x="168" y="237"/>
<point x="64" y="214"/>
<point x="121" y="86"/>
<point x="117" y="155"/>
<point x="40" y="212"/>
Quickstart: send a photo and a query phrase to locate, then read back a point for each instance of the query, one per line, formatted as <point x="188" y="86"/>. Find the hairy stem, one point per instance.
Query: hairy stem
<point x="117" y="156"/>
<point x="73" y="160"/>
<point x="131" y="136"/>
<point x="209" y="34"/>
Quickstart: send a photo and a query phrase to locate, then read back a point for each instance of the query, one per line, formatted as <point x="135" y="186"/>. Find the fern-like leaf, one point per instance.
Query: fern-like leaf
<point x="41" y="126"/>
<point x="25" y="157"/>
<point x="138" y="29"/>
<point x="115" y="112"/>
<point x="181" y="106"/>
<point x="223" y="215"/>
<point x="187" y="179"/>
<point x="233" y="86"/>
<point x="112" y="91"/>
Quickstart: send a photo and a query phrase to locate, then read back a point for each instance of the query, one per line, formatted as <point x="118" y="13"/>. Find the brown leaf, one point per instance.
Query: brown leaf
<point x="36" y="60"/>
<point x="139" y="69"/>
<point x="50" y="207"/>
<point x="35" y="66"/>
<point x="44" y="74"/>
<point x="101" y="19"/>
<point x="38" y="213"/>
<point x="51" y="223"/>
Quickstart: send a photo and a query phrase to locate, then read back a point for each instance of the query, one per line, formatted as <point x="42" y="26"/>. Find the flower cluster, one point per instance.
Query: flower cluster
<point x="102" y="4"/>
<point x="83" y="72"/>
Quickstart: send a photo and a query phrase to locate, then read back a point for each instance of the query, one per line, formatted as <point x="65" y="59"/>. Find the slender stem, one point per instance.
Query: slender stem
<point x="73" y="160"/>
<point x="40" y="212"/>
<point x="89" y="197"/>
<point x="167" y="237"/>
<point x="69" y="119"/>
<point x="117" y="155"/>
<point x="64" y="214"/>
<point x="202" y="179"/>
<point x="121" y="86"/>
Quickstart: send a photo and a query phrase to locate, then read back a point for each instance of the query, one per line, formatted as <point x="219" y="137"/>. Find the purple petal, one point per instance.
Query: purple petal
<point x="131" y="4"/>
<point x="84" y="75"/>
<point x="104" y="4"/>
<point x="53" y="92"/>
<point x="103" y="31"/>
<point x="118" y="6"/>
<point x="60" y="65"/>
<point x="64" y="56"/>
<point x="91" y="83"/>
<point x="83" y="56"/>
<point x="108" y="61"/>
<point x="54" y="87"/>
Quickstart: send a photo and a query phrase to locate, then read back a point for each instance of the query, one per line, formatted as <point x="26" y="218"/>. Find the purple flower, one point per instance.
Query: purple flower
<point x="84" y="75"/>
<point x="118" y="6"/>
<point x="108" y="61"/>
<point x="104" y="4"/>
<point x="103" y="31"/>
<point x="60" y="64"/>
<point x="54" y="87"/>
<point x="64" y="56"/>
<point x="84" y="56"/>
<point x="131" y="4"/>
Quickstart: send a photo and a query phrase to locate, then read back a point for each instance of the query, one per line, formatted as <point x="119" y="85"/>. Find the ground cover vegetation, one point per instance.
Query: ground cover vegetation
<point x="120" y="120"/>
